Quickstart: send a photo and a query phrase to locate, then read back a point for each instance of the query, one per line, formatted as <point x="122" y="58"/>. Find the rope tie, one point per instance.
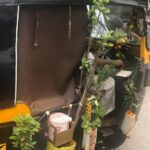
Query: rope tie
<point x="69" y="23"/>
<point x="36" y="28"/>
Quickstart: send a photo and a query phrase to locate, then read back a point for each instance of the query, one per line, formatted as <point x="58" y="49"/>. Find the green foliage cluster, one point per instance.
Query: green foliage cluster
<point x="95" y="81"/>
<point x="97" y="76"/>
<point x="98" y="5"/>
<point x="98" y="112"/>
<point x="110" y="38"/>
<point x="85" y="64"/>
<point x="130" y="91"/>
<point x="119" y="34"/>
<point x="106" y="39"/>
<point x="95" y="88"/>
<point x="103" y="73"/>
<point x="105" y="42"/>
<point x="24" y="131"/>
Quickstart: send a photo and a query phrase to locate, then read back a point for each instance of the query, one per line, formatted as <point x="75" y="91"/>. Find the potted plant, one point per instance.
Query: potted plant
<point x="131" y="92"/>
<point x="97" y="70"/>
<point x="131" y="97"/>
<point x="94" y="107"/>
<point x="24" y="131"/>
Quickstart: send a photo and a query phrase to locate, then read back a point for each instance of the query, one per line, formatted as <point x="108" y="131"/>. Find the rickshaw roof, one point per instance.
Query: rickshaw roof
<point x="131" y="2"/>
<point x="61" y="2"/>
<point x="71" y="2"/>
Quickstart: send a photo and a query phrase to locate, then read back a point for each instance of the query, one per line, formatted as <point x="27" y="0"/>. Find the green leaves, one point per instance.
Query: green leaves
<point x="119" y="34"/>
<point x="104" y="73"/>
<point x="85" y="64"/>
<point x="109" y="39"/>
<point x="97" y="6"/>
<point x="130" y="91"/>
<point x="106" y="11"/>
<point x="89" y="124"/>
<point x="96" y="77"/>
<point x="23" y="132"/>
<point x="98" y="113"/>
<point x="110" y="44"/>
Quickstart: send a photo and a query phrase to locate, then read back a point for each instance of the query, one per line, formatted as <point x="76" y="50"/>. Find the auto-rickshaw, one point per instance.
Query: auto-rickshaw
<point x="42" y="44"/>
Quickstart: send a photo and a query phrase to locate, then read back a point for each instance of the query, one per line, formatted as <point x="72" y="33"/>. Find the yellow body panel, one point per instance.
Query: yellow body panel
<point x="7" y="115"/>
<point x="2" y="146"/>
<point x="145" y="55"/>
<point x="69" y="146"/>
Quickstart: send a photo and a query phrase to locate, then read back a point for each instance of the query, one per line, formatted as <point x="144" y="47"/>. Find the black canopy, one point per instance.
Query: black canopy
<point x="18" y="2"/>
<point x="72" y="2"/>
<point x="131" y="2"/>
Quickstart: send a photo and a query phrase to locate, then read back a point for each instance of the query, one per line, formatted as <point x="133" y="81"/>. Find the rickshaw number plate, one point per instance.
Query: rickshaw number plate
<point x="3" y="146"/>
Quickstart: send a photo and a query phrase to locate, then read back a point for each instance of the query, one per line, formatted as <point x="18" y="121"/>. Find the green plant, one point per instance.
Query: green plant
<point x="85" y="64"/>
<point x="101" y="75"/>
<point x="24" y="131"/>
<point x="98" y="5"/>
<point x="89" y="122"/>
<point x="130" y="91"/>
<point x="96" y="76"/>
<point x="98" y="112"/>
<point x="111" y="38"/>
<point x="104" y="73"/>
<point x="120" y="35"/>
<point x="95" y="80"/>
<point x="105" y="42"/>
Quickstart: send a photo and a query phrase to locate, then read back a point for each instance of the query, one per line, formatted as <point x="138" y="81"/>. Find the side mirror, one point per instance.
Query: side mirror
<point x="148" y="38"/>
<point x="148" y="26"/>
<point x="141" y="25"/>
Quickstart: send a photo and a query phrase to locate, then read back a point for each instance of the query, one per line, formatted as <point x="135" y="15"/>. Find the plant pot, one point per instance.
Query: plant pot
<point x="89" y="140"/>
<point x="62" y="137"/>
<point x="69" y="146"/>
<point x="60" y="129"/>
<point x="128" y="123"/>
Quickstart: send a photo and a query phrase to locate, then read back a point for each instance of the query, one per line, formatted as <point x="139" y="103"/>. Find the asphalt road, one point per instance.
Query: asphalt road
<point x="140" y="136"/>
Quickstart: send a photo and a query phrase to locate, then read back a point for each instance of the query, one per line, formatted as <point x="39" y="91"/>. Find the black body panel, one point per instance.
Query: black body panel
<point x="6" y="132"/>
<point x="66" y="2"/>
<point x="8" y="17"/>
<point x="60" y="2"/>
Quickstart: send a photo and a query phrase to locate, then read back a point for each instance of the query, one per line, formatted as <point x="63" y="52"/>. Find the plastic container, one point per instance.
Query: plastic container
<point x="128" y="123"/>
<point x="60" y="121"/>
<point x="89" y="140"/>
<point x="69" y="146"/>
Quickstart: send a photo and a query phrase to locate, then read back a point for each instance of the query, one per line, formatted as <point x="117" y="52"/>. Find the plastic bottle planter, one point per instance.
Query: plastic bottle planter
<point x="70" y="146"/>
<point x="128" y="123"/>
<point x="89" y="140"/>
<point x="60" y="129"/>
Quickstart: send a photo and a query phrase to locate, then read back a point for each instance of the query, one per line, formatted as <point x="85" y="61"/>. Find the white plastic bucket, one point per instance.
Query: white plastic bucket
<point x="60" y="121"/>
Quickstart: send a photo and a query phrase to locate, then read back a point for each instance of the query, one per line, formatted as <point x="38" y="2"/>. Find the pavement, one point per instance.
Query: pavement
<point x="140" y="136"/>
